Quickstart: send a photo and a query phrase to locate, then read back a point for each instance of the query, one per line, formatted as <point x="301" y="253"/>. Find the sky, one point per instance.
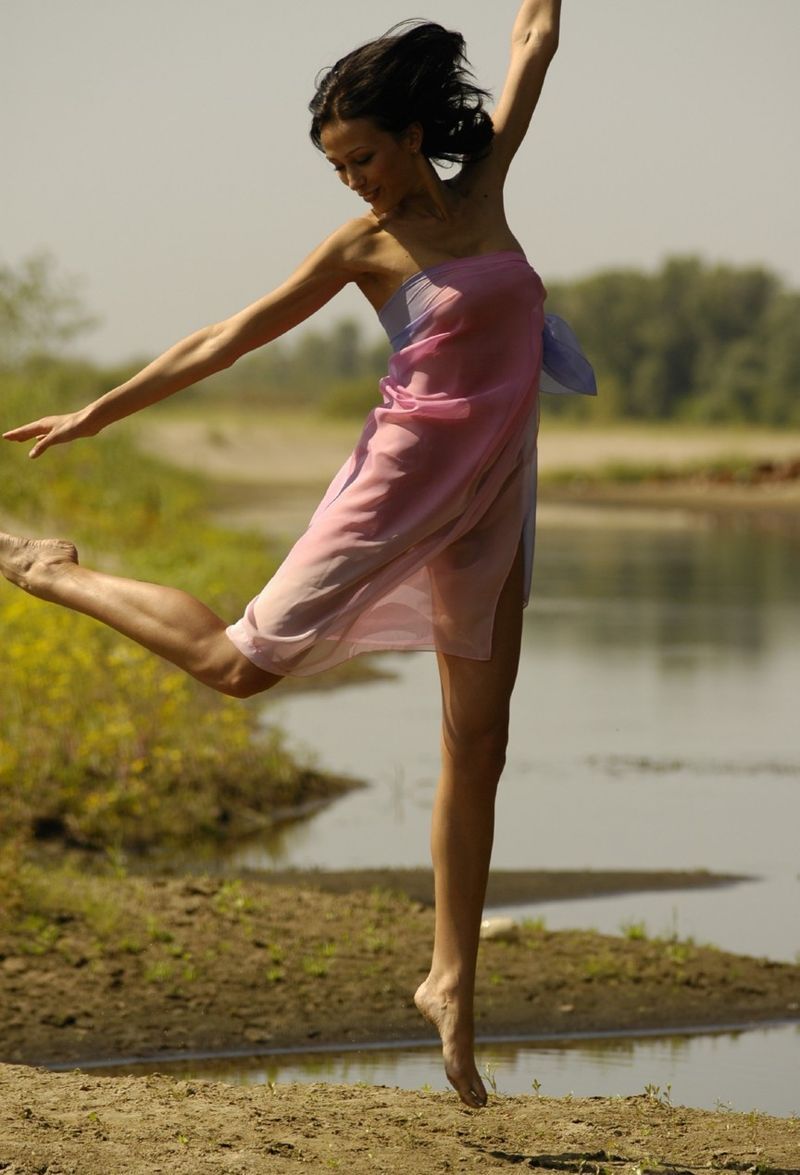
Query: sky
<point x="159" y="149"/>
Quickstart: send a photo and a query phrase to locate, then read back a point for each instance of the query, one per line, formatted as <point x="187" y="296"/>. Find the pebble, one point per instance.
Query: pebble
<point x="14" y="966"/>
<point x="501" y="929"/>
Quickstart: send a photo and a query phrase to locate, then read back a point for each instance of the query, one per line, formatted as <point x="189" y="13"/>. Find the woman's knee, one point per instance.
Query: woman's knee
<point x="230" y="672"/>
<point x="480" y="750"/>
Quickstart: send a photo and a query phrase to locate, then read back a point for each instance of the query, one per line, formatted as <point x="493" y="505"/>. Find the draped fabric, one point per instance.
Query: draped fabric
<point x="415" y="536"/>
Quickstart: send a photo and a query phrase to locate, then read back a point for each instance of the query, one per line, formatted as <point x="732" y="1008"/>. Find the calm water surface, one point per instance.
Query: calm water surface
<point x="655" y="725"/>
<point x="753" y="1070"/>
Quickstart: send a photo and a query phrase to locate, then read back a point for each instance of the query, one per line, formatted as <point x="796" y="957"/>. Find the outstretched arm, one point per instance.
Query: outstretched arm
<point x="534" y="40"/>
<point x="210" y="349"/>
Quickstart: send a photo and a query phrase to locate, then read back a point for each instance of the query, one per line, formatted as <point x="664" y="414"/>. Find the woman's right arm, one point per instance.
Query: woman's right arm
<point x="212" y="348"/>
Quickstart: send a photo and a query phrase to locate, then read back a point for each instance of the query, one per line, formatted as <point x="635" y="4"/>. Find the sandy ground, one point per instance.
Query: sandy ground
<point x="81" y="1125"/>
<point x="292" y="448"/>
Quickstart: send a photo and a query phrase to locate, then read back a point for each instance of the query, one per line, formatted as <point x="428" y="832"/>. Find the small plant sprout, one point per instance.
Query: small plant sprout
<point x="634" y="931"/>
<point x="489" y="1072"/>
<point x="536" y="1086"/>
<point x="656" y="1094"/>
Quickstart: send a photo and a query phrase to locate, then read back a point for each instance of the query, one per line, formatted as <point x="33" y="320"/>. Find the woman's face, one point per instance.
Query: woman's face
<point x="374" y="164"/>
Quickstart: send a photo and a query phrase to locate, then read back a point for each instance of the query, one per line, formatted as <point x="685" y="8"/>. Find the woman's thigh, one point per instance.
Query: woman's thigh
<point x="476" y="694"/>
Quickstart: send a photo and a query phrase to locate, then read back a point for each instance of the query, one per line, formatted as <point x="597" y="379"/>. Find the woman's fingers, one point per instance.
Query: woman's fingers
<point x="42" y="444"/>
<point x="50" y="430"/>
<point x="25" y="431"/>
<point x="45" y="432"/>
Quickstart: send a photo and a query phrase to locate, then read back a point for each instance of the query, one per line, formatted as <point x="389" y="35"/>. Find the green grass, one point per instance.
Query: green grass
<point x="102" y="745"/>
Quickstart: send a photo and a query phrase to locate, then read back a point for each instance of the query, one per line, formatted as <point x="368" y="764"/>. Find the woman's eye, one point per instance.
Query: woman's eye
<point x="364" y="162"/>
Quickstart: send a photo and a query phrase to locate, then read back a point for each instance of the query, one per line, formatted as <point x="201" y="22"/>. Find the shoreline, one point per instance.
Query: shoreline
<point x="106" y="1066"/>
<point x="506" y="887"/>
<point x="258" y="480"/>
<point x="129" y="966"/>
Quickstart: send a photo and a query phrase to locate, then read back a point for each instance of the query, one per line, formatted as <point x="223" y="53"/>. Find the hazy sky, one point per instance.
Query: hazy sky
<point x="159" y="148"/>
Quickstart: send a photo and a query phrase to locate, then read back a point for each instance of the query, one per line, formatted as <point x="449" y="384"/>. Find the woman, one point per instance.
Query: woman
<point x="423" y="539"/>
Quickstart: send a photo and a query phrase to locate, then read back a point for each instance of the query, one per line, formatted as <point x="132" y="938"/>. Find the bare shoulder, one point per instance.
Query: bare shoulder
<point x="353" y="246"/>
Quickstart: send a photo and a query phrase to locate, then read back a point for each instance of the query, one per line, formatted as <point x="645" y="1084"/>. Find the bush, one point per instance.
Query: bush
<point x="351" y="398"/>
<point x="101" y="742"/>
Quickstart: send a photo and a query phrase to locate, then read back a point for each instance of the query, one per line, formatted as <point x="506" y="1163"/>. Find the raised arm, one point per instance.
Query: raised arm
<point x="212" y="348"/>
<point x="534" y="40"/>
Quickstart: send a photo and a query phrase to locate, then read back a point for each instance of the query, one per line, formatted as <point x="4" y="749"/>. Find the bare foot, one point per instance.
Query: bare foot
<point x="454" y="1026"/>
<point x="30" y="563"/>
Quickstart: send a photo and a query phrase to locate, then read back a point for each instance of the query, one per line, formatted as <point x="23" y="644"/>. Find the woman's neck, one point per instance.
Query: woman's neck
<point x="429" y="198"/>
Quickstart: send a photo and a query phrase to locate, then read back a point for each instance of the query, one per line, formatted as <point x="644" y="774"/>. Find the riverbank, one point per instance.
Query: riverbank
<point x="269" y="468"/>
<point x="124" y="967"/>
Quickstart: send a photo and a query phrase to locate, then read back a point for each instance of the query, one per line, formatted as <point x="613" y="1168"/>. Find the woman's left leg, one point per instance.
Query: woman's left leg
<point x="475" y="711"/>
<point x="165" y="620"/>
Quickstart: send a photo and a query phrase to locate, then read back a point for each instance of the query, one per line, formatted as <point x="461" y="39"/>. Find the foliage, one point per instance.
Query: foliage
<point x="304" y="371"/>
<point x="100" y="741"/>
<point x="691" y="341"/>
<point x="38" y="310"/>
<point x="351" y="398"/>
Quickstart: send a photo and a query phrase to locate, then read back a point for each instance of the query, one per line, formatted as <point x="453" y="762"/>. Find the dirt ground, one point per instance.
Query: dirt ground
<point x="210" y="964"/>
<point x="74" y="1124"/>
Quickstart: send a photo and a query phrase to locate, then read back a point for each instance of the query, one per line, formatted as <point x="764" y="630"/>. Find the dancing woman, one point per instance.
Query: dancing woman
<point x="423" y="539"/>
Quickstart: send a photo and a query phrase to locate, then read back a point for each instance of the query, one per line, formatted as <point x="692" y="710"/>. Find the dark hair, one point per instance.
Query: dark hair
<point x="416" y="72"/>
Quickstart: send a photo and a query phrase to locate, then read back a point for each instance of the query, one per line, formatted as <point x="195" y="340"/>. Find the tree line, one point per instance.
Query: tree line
<point x="691" y="341"/>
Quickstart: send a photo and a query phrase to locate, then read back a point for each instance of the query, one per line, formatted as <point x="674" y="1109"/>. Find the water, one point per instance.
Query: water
<point x="753" y="1070"/>
<point x="654" y="725"/>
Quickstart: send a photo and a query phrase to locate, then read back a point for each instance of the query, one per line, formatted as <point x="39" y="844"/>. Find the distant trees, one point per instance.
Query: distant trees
<point x="309" y="371"/>
<point x="692" y="341"/>
<point x="40" y="311"/>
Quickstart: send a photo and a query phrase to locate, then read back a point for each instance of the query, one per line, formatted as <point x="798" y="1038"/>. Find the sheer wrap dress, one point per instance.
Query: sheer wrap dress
<point x="415" y="536"/>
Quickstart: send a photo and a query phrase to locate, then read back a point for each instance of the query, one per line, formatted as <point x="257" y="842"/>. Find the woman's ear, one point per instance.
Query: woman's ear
<point x="412" y="137"/>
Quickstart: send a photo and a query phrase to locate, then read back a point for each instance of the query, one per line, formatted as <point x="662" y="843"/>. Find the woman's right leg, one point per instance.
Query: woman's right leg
<point x="164" y="620"/>
<point x="475" y="715"/>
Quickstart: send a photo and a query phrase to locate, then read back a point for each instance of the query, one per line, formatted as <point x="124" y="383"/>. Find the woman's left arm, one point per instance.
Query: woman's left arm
<point x="534" y="40"/>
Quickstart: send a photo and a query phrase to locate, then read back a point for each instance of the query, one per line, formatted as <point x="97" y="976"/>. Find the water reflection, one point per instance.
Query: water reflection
<point x="682" y="591"/>
<point x="743" y="1070"/>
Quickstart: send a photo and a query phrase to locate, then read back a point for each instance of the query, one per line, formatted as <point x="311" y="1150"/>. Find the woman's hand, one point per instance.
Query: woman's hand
<point x="53" y="430"/>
